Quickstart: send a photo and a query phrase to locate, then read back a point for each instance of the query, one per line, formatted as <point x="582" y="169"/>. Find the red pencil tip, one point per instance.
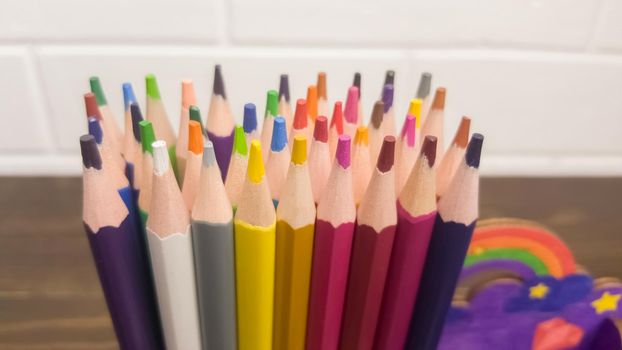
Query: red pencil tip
<point x="320" y="132"/>
<point x="300" y="116"/>
<point x="92" y="109"/>
<point x="337" y="119"/>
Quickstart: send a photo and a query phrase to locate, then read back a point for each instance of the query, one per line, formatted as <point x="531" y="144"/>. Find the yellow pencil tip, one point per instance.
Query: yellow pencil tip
<point x="415" y="110"/>
<point x="362" y="136"/>
<point x="255" y="163"/>
<point x="299" y="151"/>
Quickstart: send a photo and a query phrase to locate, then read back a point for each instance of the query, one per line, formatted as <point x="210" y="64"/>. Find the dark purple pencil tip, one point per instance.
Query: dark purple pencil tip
<point x="429" y="149"/>
<point x="377" y="114"/>
<point x="389" y="77"/>
<point x="90" y="153"/>
<point x="474" y="150"/>
<point x="386" y="157"/>
<point x="137" y="117"/>
<point x="357" y="82"/>
<point x="284" y="87"/>
<point x="219" y="83"/>
<point x="320" y="132"/>
<point x="343" y="151"/>
<point x="387" y="96"/>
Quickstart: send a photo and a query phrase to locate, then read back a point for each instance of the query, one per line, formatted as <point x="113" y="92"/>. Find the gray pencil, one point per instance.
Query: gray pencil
<point x="212" y="235"/>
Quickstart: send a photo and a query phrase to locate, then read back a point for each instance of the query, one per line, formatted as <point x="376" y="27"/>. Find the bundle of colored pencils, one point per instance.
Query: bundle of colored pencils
<point x="311" y="233"/>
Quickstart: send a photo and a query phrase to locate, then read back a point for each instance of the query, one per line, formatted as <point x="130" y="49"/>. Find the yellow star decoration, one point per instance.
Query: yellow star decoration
<point x="539" y="291"/>
<point x="607" y="302"/>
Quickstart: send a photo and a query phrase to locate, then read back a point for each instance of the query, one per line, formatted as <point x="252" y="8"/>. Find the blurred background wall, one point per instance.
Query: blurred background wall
<point x="541" y="78"/>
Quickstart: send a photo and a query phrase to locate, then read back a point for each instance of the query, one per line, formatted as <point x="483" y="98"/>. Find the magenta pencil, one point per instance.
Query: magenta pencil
<point x="334" y="229"/>
<point x="371" y="253"/>
<point x="351" y="112"/>
<point x="416" y="212"/>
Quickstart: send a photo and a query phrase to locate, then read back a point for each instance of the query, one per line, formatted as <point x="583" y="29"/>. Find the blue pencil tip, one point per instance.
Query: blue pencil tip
<point x="474" y="150"/>
<point x="250" y="118"/>
<point x="128" y="95"/>
<point x="279" y="135"/>
<point x="95" y="130"/>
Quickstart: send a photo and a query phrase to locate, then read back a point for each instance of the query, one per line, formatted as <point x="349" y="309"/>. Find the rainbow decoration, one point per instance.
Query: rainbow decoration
<point x="517" y="249"/>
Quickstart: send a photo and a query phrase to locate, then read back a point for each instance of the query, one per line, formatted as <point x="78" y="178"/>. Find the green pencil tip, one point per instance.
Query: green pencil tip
<point x="147" y="136"/>
<point x="195" y="114"/>
<point x="152" y="86"/>
<point x="96" y="88"/>
<point x="272" y="103"/>
<point x="239" y="141"/>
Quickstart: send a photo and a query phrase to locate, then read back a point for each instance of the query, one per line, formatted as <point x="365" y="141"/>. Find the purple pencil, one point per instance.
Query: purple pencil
<point x="124" y="277"/>
<point x="220" y="124"/>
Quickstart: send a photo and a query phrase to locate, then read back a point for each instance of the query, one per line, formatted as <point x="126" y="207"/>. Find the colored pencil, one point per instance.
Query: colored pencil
<point x="147" y="137"/>
<point x="376" y="130"/>
<point x="134" y="157"/>
<point x="322" y="95"/>
<point x="336" y="129"/>
<point x="301" y="124"/>
<point x="111" y="232"/>
<point x="193" y="164"/>
<point x="388" y="121"/>
<point x="423" y="93"/>
<point x="453" y="228"/>
<point x="212" y="238"/>
<point x="255" y="222"/>
<point x="156" y="114"/>
<point x="434" y="121"/>
<point x="109" y="157"/>
<point x="237" y="167"/>
<point x="188" y="98"/>
<point x="250" y="123"/>
<point x="93" y="111"/>
<point x="351" y="112"/>
<point x="406" y="155"/>
<point x="272" y="109"/>
<point x="131" y="141"/>
<point x="371" y="252"/>
<point x="416" y="210"/>
<point x="361" y="163"/>
<point x="195" y="114"/>
<point x="294" y="251"/>
<point x="389" y="78"/>
<point x="220" y="125"/>
<point x="357" y="83"/>
<point x="312" y="103"/>
<point x="109" y="120"/>
<point x="278" y="159"/>
<point x="285" y="108"/>
<point x="319" y="158"/>
<point x="334" y="228"/>
<point x="170" y="245"/>
<point x="453" y="157"/>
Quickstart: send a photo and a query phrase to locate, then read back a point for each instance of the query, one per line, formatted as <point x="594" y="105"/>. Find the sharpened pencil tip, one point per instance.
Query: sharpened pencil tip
<point x="92" y="109"/>
<point x="439" y="98"/>
<point x="474" y="150"/>
<point x="96" y="88"/>
<point x="320" y="131"/>
<point x="377" y="114"/>
<point x="209" y="157"/>
<point x="425" y="82"/>
<point x="188" y="97"/>
<point x="272" y="103"/>
<point x="95" y="130"/>
<point x="351" y="111"/>
<point x="357" y="82"/>
<point x="250" y="118"/>
<point x="321" y="85"/>
<point x="414" y="109"/>
<point x="195" y="114"/>
<point x="147" y="136"/>
<point x="300" y="115"/>
<point x="195" y="137"/>
<point x="137" y="117"/>
<point x="387" y="97"/>
<point x="429" y="149"/>
<point x="256" y="169"/>
<point x="462" y="135"/>
<point x="90" y="154"/>
<point x="219" y="83"/>
<point x="279" y="135"/>
<point x="389" y="77"/>
<point x="342" y="155"/>
<point x="128" y="95"/>
<point x="337" y="119"/>
<point x="284" y="87"/>
<point x="153" y="90"/>
<point x="160" y="157"/>
<point x="299" y="150"/>
<point x="362" y="136"/>
<point x="408" y="130"/>
<point x="239" y="141"/>
<point x="312" y="102"/>
<point x="386" y="157"/>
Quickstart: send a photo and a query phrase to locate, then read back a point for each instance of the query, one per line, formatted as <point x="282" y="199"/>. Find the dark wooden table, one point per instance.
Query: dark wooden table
<point x="50" y="296"/>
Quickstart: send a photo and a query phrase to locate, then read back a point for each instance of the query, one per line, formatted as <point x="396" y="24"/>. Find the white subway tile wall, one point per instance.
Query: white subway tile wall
<point x="542" y="79"/>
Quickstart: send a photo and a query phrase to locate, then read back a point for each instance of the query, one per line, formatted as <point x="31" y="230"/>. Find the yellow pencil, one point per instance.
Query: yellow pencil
<point x="294" y="252"/>
<point x="254" y="256"/>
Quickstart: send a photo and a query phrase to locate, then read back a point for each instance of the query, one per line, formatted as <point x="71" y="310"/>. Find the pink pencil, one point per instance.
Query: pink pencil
<point x="319" y="158"/>
<point x="416" y="212"/>
<point x="334" y="228"/>
<point x="351" y="112"/>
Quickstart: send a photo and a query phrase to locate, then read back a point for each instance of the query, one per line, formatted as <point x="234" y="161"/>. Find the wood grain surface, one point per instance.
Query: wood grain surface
<point x="50" y="297"/>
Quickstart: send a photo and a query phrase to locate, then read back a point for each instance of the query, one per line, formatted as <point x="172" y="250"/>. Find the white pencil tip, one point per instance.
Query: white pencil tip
<point x="160" y="157"/>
